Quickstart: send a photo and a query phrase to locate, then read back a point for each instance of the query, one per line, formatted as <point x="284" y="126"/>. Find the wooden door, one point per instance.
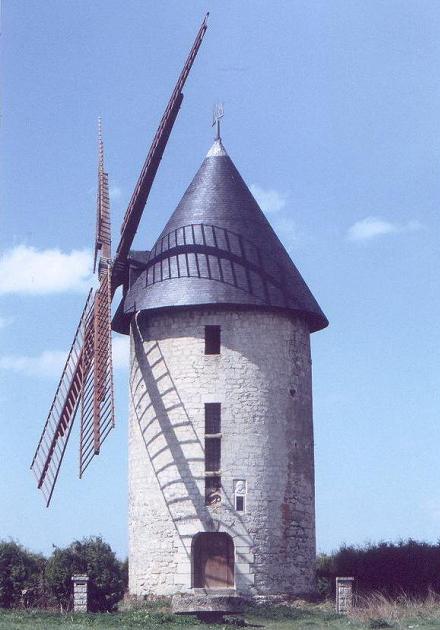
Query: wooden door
<point x="213" y="561"/>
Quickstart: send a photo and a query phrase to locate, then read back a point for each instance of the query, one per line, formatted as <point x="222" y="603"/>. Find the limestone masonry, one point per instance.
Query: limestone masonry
<point x="262" y="378"/>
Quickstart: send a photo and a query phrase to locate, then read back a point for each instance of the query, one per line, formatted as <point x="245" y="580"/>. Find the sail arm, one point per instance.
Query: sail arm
<point x="51" y="447"/>
<point x="145" y="181"/>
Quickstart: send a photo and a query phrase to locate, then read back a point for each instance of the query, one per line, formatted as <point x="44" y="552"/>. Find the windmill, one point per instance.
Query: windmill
<point x="87" y="380"/>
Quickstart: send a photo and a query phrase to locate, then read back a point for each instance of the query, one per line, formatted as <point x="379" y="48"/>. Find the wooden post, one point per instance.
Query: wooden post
<point x="80" y="593"/>
<point x="344" y="594"/>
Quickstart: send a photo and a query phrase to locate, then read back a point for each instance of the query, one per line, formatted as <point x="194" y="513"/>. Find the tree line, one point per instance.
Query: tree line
<point x="407" y="567"/>
<point x="33" y="581"/>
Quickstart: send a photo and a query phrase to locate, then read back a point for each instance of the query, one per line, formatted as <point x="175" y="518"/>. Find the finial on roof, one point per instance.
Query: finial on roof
<point x="217" y="148"/>
<point x="217" y="115"/>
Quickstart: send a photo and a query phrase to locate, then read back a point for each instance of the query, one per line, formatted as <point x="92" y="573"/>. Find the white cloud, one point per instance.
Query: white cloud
<point x="26" y="270"/>
<point x="115" y="192"/>
<point x="370" y="227"/>
<point x="48" y="364"/>
<point x="269" y="200"/>
<point x="121" y="351"/>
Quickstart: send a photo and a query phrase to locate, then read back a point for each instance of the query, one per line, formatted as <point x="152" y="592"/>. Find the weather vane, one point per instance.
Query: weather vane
<point x="217" y="115"/>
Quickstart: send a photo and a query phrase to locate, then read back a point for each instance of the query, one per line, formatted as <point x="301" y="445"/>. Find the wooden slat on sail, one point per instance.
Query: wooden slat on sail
<point x="97" y="403"/>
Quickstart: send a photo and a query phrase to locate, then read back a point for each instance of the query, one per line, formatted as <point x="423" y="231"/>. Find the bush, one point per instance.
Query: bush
<point x="21" y="574"/>
<point x="408" y="567"/>
<point x="91" y="556"/>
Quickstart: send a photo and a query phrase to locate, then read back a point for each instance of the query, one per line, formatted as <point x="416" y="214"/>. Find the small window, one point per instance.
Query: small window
<point x="239" y="503"/>
<point x="212" y="418"/>
<point x="212" y="454"/>
<point x="240" y="491"/>
<point x="212" y="339"/>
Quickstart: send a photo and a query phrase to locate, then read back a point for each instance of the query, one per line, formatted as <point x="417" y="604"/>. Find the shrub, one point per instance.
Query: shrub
<point x="408" y="567"/>
<point x="91" y="556"/>
<point x="21" y="574"/>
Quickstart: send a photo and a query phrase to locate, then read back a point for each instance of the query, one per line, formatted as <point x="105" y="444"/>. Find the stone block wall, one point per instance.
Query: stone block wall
<point x="262" y="378"/>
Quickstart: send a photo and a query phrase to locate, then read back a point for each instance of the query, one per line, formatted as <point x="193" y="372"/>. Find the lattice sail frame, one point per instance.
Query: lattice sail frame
<point x="56" y="432"/>
<point x="97" y="399"/>
<point x="87" y="377"/>
<point x="103" y="225"/>
<point x="97" y="402"/>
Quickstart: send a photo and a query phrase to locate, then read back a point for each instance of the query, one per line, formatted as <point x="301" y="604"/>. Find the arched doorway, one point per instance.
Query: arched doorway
<point x="213" y="560"/>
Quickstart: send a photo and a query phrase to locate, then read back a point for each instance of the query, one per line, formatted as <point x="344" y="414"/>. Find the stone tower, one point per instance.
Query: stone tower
<point x="221" y="472"/>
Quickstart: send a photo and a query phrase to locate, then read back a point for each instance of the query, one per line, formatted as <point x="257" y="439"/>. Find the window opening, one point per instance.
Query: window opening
<point x="240" y="491"/>
<point x="212" y="418"/>
<point x="212" y="453"/>
<point x="212" y="339"/>
<point x="239" y="503"/>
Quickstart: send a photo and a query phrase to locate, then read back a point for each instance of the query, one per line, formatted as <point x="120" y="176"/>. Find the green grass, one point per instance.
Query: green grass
<point x="306" y="617"/>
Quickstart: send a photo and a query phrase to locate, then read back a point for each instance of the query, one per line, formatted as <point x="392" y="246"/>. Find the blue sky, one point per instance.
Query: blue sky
<point x="332" y="116"/>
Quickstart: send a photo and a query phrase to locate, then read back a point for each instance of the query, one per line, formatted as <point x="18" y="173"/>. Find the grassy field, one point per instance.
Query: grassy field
<point x="278" y="620"/>
<point x="375" y="613"/>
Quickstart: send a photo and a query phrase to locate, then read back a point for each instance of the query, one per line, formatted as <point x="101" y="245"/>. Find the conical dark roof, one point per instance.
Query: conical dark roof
<point x="218" y="248"/>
